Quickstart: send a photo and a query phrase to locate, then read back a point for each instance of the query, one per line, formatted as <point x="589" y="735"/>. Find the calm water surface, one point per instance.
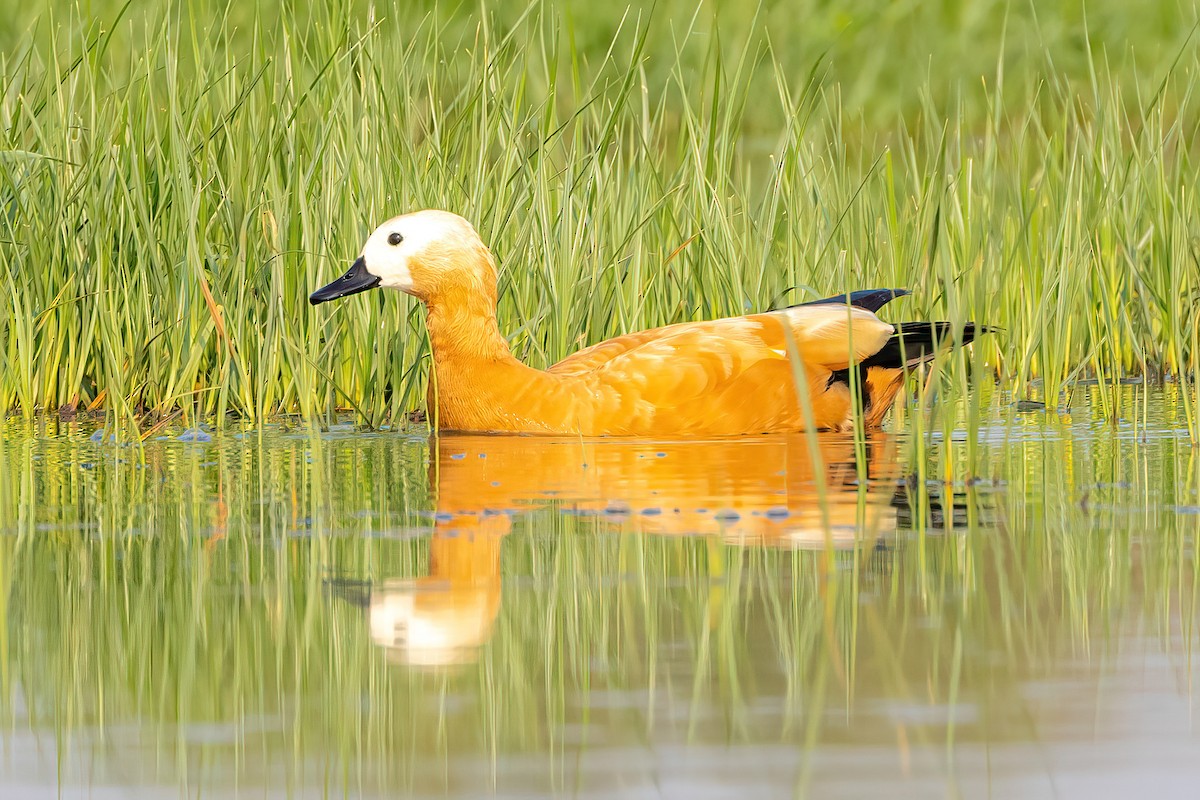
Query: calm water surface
<point x="1000" y="609"/>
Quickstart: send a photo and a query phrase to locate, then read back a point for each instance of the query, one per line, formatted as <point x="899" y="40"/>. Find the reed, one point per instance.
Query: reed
<point x="175" y="179"/>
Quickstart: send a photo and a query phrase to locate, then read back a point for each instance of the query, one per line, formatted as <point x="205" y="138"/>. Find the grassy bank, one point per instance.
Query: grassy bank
<point x="175" y="179"/>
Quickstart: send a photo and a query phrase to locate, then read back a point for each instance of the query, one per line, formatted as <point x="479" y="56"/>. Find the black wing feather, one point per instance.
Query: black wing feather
<point x="913" y="343"/>
<point x="870" y="299"/>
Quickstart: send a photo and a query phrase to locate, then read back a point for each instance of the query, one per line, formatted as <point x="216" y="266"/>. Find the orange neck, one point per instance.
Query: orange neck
<point x="469" y="555"/>
<point x="462" y="328"/>
<point x="476" y="384"/>
<point x="475" y="378"/>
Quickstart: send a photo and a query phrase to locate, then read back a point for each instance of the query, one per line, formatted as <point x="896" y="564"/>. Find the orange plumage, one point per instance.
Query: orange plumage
<point x="739" y="375"/>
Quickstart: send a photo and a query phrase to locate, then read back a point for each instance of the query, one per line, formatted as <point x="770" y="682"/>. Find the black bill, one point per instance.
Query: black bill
<point x="356" y="280"/>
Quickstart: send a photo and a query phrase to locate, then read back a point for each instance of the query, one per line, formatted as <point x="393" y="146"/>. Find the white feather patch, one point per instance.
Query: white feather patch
<point x="836" y="336"/>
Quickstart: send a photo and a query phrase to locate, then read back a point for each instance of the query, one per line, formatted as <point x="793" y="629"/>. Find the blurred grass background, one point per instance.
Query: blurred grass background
<point x="175" y="178"/>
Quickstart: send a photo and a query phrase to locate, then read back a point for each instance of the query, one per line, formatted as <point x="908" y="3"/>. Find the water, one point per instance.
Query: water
<point x="284" y="612"/>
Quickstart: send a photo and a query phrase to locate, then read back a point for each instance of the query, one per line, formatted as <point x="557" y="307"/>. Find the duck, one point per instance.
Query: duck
<point x="786" y="370"/>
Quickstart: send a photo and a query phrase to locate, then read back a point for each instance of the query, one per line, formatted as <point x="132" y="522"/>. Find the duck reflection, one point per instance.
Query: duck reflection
<point x="795" y="491"/>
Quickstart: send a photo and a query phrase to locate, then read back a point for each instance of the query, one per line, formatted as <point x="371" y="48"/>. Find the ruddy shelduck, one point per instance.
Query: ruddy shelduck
<point x="768" y="372"/>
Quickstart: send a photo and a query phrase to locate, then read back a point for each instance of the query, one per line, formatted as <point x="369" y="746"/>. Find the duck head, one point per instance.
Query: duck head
<point x="428" y="254"/>
<point x="431" y="622"/>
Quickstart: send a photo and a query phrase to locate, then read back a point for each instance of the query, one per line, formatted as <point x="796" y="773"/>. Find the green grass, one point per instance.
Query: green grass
<point x="176" y="178"/>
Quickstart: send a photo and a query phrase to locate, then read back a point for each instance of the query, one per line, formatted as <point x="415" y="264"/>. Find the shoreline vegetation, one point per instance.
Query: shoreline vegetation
<point x="175" y="179"/>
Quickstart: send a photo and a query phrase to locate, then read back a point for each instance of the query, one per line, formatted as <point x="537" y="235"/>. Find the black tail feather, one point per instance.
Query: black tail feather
<point x="870" y="299"/>
<point x="913" y="343"/>
<point x="917" y="342"/>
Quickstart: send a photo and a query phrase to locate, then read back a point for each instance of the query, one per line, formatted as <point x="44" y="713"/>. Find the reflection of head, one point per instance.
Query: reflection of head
<point x="432" y="622"/>
<point x="446" y="616"/>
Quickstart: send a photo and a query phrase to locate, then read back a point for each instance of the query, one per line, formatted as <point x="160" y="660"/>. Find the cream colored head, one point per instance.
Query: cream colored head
<point x="427" y="254"/>
<point x="433" y="622"/>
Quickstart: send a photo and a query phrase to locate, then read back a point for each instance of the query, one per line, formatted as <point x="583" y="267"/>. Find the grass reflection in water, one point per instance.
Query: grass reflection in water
<point x="178" y="615"/>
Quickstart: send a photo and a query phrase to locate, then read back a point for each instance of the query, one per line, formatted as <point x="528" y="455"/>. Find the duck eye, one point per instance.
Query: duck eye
<point x="395" y="239"/>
